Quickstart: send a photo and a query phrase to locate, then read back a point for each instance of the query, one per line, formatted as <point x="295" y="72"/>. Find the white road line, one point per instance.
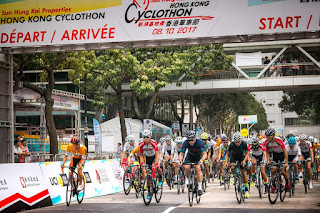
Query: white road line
<point x="169" y="209"/>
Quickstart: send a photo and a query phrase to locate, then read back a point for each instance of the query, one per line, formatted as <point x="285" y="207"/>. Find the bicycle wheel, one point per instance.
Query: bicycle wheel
<point x="127" y="182"/>
<point x="147" y="188"/>
<point x="259" y="183"/>
<point x="225" y="181"/>
<point x="305" y="180"/>
<point x="273" y="190"/>
<point x="282" y="189"/>
<point x="169" y="178"/>
<point x="158" y="189"/>
<point x="237" y="188"/>
<point x="80" y="193"/>
<point x="69" y="191"/>
<point x="196" y="189"/>
<point x="183" y="180"/>
<point x="291" y="181"/>
<point x="204" y="185"/>
<point x="178" y="182"/>
<point x="137" y="182"/>
<point x="190" y="189"/>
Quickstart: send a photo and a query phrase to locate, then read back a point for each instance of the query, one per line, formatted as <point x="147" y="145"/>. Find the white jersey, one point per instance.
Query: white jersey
<point x="176" y="152"/>
<point x="306" y="147"/>
<point x="160" y="147"/>
<point x="166" y="148"/>
<point x="128" y="148"/>
<point x="295" y="151"/>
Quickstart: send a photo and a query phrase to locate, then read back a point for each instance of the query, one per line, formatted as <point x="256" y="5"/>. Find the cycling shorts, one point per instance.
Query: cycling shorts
<point x="192" y="158"/>
<point x="75" y="161"/>
<point x="276" y="157"/>
<point x="292" y="158"/>
<point x="306" y="155"/>
<point x="150" y="160"/>
<point x="259" y="159"/>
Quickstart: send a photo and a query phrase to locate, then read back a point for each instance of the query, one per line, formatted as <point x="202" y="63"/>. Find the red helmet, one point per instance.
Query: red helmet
<point x="75" y="139"/>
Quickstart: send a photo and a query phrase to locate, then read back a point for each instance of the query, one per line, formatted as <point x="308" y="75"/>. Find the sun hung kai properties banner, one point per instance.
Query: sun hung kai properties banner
<point x="51" y="22"/>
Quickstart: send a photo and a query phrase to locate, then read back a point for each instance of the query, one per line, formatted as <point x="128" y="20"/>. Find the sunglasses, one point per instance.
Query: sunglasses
<point x="146" y="137"/>
<point x="237" y="141"/>
<point x="179" y="143"/>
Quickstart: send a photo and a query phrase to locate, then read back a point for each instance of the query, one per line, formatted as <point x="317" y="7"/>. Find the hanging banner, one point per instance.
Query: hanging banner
<point x="22" y="187"/>
<point x="147" y="124"/>
<point x="248" y="59"/>
<point x="185" y="129"/>
<point x="247" y="119"/>
<point x="97" y="133"/>
<point x="59" y="22"/>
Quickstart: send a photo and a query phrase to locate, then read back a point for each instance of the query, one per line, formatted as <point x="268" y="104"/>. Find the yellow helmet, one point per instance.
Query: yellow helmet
<point x="204" y="136"/>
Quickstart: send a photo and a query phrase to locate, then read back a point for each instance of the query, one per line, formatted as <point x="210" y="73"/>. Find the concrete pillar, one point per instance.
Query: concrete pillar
<point x="6" y="108"/>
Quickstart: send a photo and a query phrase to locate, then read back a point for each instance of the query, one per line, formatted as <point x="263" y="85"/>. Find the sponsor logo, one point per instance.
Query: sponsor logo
<point x="102" y="176"/>
<point x="87" y="177"/>
<point x="307" y="1"/>
<point x="29" y="181"/>
<point x="23" y="183"/>
<point x="260" y="2"/>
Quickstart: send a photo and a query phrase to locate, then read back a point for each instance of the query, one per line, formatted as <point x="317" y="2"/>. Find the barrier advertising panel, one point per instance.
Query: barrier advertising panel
<point x="22" y="186"/>
<point x="52" y="22"/>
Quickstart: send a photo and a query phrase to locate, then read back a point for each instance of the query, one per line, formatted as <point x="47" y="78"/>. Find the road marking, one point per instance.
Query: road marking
<point x="169" y="209"/>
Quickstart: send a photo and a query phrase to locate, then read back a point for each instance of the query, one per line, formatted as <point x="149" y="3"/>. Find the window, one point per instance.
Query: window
<point x="269" y="105"/>
<point x="271" y="122"/>
<point x="297" y="122"/>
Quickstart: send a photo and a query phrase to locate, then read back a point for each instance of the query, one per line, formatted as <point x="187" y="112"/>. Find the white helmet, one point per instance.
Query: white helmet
<point x="146" y="133"/>
<point x="237" y="136"/>
<point x="302" y="137"/>
<point x="130" y="138"/>
<point x="179" y="139"/>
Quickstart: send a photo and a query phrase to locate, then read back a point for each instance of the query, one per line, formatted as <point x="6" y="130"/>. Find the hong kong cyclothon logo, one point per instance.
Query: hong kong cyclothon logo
<point x="144" y="4"/>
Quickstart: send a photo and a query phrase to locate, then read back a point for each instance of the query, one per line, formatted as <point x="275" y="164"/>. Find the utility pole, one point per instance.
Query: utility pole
<point x="85" y="112"/>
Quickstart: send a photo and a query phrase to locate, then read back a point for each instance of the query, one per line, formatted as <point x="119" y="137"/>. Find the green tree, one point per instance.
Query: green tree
<point x="49" y="63"/>
<point x="305" y="103"/>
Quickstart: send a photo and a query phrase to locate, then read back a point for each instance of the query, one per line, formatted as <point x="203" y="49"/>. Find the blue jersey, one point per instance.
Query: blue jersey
<point x="197" y="148"/>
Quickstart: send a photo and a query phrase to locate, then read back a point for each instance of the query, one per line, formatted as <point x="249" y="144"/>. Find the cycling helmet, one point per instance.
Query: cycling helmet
<point x="204" y="136"/>
<point x="270" y="132"/>
<point x="311" y="139"/>
<point x="302" y="137"/>
<point x="191" y="135"/>
<point x="179" y="140"/>
<point x="316" y="141"/>
<point x="255" y="144"/>
<point x="146" y="133"/>
<point x="292" y="141"/>
<point x="224" y="138"/>
<point x="162" y="140"/>
<point x="130" y="138"/>
<point x="237" y="136"/>
<point x="209" y="136"/>
<point x="167" y="138"/>
<point x="75" y="139"/>
<point x="223" y="135"/>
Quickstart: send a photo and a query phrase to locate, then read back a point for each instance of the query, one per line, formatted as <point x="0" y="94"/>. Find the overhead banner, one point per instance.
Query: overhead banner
<point x="248" y="59"/>
<point x="58" y="22"/>
<point x="60" y="102"/>
<point x="22" y="187"/>
<point x="248" y="119"/>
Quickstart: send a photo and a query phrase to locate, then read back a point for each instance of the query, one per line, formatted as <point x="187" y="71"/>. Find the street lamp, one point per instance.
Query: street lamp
<point x="85" y="112"/>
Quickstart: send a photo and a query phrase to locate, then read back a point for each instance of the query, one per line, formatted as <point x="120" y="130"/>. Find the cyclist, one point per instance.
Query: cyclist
<point x="196" y="154"/>
<point x="128" y="147"/>
<point x="316" y="149"/>
<point x="176" y="151"/>
<point x="294" y="154"/>
<point x="238" y="151"/>
<point x="205" y="137"/>
<point x="167" y="153"/>
<point x="160" y="144"/>
<point x="79" y="154"/>
<point x="215" y="151"/>
<point x="149" y="149"/>
<point x="223" y="149"/>
<point x="276" y="147"/>
<point x="307" y="155"/>
<point x="258" y="156"/>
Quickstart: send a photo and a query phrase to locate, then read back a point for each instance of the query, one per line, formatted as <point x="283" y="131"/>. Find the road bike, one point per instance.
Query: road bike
<point x="72" y="186"/>
<point x="305" y="176"/>
<point x="193" y="184"/>
<point x="226" y="178"/>
<point x="238" y="184"/>
<point x="277" y="186"/>
<point x="292" y="178"/>
<point x="137" y="181"/>
<point x="258" y="179"/>
<point x="315" y="172"/>
<point x="128" y="179"/>
<point x="151" y="185"/>
<point x="180" y="180"/>
<point x="169" y="174"/>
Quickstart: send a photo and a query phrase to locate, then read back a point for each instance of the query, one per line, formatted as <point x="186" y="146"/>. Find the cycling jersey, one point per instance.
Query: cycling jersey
<point x="159" y="147"/>
<point x="276" y="146"/>
<point x="77" y="155"/>
<point x="223" y="150"/>
<point x="257" y="152"/>
<point x="218" y="144"/>
<point x="128" y="147"/>
<point x="293" y="154"/>
<point x="196" y="149"/>
<point x="238" y="152"/>
<point x="167" y="149"/>
<point x="135" y="151"/>
<point x="149" y="149"/>
<point x="208" y="146"/>
<point x="306" y="147"/>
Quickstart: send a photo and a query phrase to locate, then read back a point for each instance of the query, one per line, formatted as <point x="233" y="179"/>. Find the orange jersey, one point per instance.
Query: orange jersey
<point x="80" y="153"/>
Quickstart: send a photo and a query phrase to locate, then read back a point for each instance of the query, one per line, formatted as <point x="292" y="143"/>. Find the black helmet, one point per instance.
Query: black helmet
<point x="270" y="132"/>
<point x="191" y="135"/>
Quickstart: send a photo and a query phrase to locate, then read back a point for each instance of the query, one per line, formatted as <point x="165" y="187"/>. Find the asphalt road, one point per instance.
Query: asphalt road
<point x="214" y="200"/>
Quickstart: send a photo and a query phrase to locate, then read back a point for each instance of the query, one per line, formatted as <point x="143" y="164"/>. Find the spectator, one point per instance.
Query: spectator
<point x="295" y="67"/>
<point x="119" y="148"/>
<point x="277" y="68"/>
<point x="267" y="61"/>
<point x="302" y="67"/>
<point x="24" y="151"/>
<point x="16" y="150"/>
<point x="284" y="68"/>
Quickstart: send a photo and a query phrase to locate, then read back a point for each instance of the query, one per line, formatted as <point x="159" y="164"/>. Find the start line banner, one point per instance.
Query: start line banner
<point x="58" y="22"/>
<point x="33" y="185"/>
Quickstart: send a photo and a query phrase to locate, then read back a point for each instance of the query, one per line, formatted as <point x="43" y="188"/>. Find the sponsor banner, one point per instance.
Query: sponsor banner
<point x="147" y="124"/>
<point x="22" y="186"/>
<point x="185" y="130"/>
<point x="118" y="172"/>
<point x="248" y="59"/>
<point x="58" y="22"/>
<point x="176" y="127"/>
<point x="99" y="176"/>
<point x="247" y="119"/>
<point x="60" y="102"/>
<point x="97" y="133"/>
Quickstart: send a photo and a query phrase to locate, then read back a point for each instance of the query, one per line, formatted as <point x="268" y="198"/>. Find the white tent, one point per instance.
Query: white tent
<point x="111" y="132"/>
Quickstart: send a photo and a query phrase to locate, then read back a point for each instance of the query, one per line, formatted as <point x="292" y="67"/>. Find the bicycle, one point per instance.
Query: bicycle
<point x="180" y="180"/>
<point x="72" y="187"/>
<point x="276" y="185"/>
<point x="151" y="185"/>
<point x="169" y="174"/>
<point x="193" y="184"/>
<point x="258" y="180"/>
<point x="315" y="172"/>
<point x="238" y="184"/>
<point x="291" y="179"/>
<point x="226" y="178"/>
<point x="305" y="176"/>
<point x="204" y="179"/>
<point x="137" y="182"/>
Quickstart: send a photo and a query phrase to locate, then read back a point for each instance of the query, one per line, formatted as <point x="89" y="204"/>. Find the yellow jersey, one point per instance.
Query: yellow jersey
<point x="135" y="151"/>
